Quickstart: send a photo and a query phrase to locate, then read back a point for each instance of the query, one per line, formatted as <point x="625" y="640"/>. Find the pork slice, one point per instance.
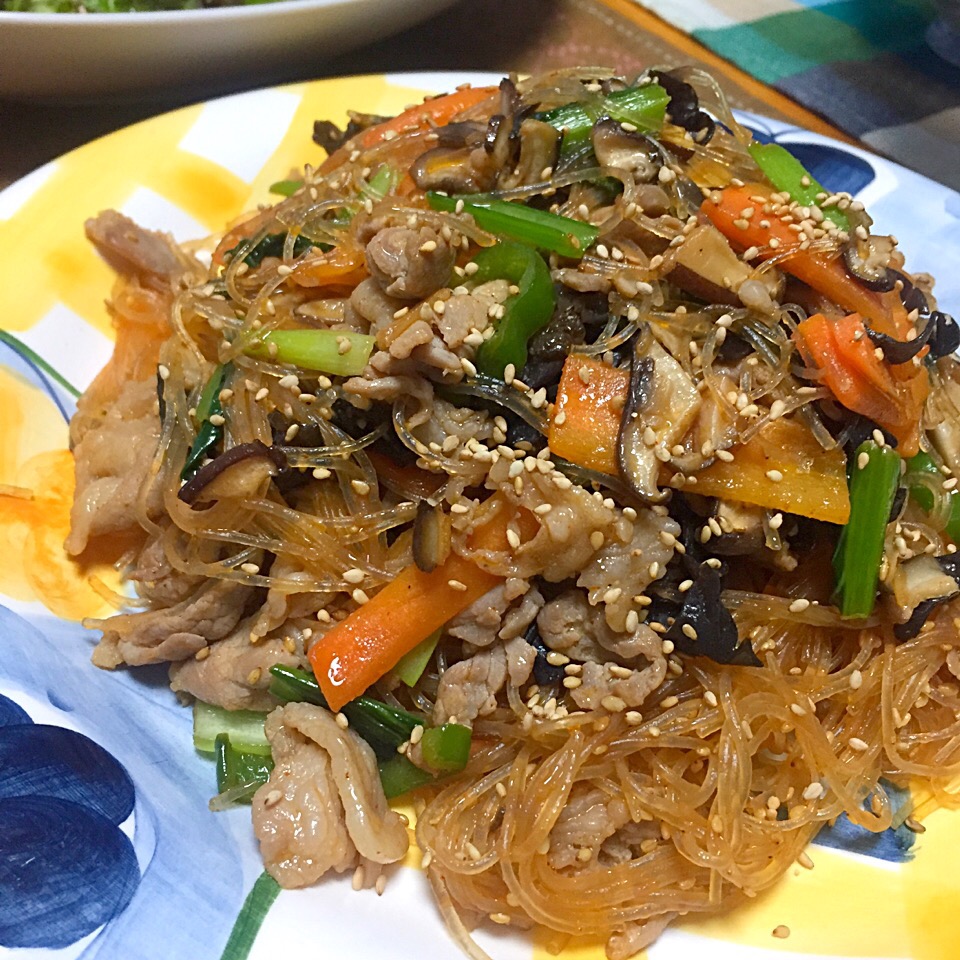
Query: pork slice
<point x="323" y="804"/>
<point x="113" y="461"/>
<point x="171" y="633"/>
<point x="589" y="817"/>
<point x="133" y="251"/>
<point x="297" y="815"/>
<point x="156" y="580"/>
<point x="469" y="688"/>
<point x="235" y="674"/>
<point x="409" y="262"/>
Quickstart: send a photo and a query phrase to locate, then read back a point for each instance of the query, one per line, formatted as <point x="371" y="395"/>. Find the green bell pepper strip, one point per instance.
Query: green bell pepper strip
<point x="923" y="464"/>
<point x="525" y="313"/>
<point x="316" y="350"/>
<point x="411" y="665"/>
<point x="788" y="174"/>
<point x="383" y="181"/>
<point x="644" y="107"/>
<point x="514" y="221"/>
<point x="208" y="434"/>
<point x="860" y="548"/>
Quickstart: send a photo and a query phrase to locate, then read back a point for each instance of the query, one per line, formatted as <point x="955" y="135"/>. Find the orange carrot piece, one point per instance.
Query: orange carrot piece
<point x="863" y="382"/>
<point x="364" y="646"/>
<point x="814" y="480"/>
<point x="340" y="268"/>
<point x="825" y="274"/>
<point x="586" y="416"/>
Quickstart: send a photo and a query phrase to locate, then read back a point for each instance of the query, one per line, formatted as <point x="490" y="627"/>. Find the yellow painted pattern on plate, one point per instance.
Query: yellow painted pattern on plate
<point x="32" y="530"/>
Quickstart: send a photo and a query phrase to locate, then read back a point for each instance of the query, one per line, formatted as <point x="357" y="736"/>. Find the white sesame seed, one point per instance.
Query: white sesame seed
<point x="250" y="568"/>
<point x="354" y="575"/>
<point x="799" y="605"/>
<point x="457" y="585"/>
<point x="360" y="596"/>
<point x="774" y="475"/>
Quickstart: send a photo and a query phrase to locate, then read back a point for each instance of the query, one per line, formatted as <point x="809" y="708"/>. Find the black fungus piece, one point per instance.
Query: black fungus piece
<point x="734" y="348"/>
<point x="910" y="296"/>
<point x="431" y="537"/>
<point x="857" y="428"/>
<point x="908" y="630"/>
<point x="872" y="276"/>
<point x="520" y="432"/>
<point x="898" y="500"/>
<point x="577" y="319"/>
<point x="684" y="107"/>
<point x="544" y="672"/>
<point x="714" y="633"/>
<point x="946" y="334"/>
<point x="901" y="351"/>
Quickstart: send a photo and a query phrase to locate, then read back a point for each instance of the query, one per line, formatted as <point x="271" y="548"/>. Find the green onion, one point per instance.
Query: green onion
<point x="860" y="548"/>
<point x="208" y="434"/>
<point x="383" y="181"/>
<point x="238" y="772"/>
<point x="446" y="748"/>
<point x="244" y="727"/>
<point x="922" y="464"/>
<point x="644" y="107"/>
<point x="269" y="246"/>
<point x="536" y="228"/>
<point x="524" y="313"/>
<point x="320" y="350"/>
<point x="411" y="665"/>
<point x="382" y="726"/>
<point x="790" y="176"/>
<point x="285" y="188"/>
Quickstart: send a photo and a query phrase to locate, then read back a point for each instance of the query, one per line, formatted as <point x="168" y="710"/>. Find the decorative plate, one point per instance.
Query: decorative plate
<point x="101" y="791"/>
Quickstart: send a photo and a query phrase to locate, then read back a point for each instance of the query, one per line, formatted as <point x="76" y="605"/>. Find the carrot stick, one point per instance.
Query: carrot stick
<point x="340" y="268"/>
<point x="825" y="274"/>
<point x="362" y="648"/>
<point x="586" y="416"/>
<point x="861" y="380"/>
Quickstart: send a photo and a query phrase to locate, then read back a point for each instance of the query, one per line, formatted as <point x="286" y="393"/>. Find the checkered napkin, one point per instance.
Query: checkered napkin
<point x="870" y="67"/>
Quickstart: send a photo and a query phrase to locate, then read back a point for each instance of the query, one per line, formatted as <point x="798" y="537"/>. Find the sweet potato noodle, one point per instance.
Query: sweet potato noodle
<point x="562" y="419"/>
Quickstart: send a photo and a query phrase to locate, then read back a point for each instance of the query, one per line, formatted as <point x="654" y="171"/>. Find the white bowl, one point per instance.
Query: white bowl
<point x="57" y="55"/>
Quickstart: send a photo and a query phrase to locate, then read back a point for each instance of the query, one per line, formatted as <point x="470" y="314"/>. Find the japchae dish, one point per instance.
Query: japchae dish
<point x="563" y="457"/>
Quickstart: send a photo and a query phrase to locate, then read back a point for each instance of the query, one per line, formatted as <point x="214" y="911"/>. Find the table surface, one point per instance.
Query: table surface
<point x="505" y="35"/>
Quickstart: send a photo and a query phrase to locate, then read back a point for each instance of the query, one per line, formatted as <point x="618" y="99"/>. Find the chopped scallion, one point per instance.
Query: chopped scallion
<point x="342" y="353"/>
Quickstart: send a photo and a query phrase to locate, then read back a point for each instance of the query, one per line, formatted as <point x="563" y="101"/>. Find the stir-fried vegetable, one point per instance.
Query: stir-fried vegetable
<point x="874" y="477"/>
<point x="359" y="650"/>
<point x="443" y="749"/>
<point x="643" y="107"/>
<point x="527" y="311"/>
<point x="538" y="228"/>
<point x="782" y="467"/>
<point x="239" y="773"/>
<point x="790" y="176"/>
<point x="586" y="417"/>
<point x="409" y="668"/>
<point x="244" y="727"/>
<point x="861" y="378"/>
<point x="342" y="353"/>
<point x="921" y="466"/>
<point x="209" y="415"/>
<point x="749" y="217"/>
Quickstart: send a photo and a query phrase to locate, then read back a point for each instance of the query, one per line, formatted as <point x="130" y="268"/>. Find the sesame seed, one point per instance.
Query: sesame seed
<point x="613" y="704"/>
<point x="799" y="605"/>
<point x="814" y="791"/>
<point x="342" y="721"/>
<point x="857" y="744"/>
<point x="428" y="247"/>
<point x="856" y="680"/>
<point x="781" y="932"/>
<point x="253" y="677"/>
<point x="774" y="475"/>
<point x="725" y="455"/>
<point x="272" y="798"/>
<point x="361" y="487"/>
<point x="797" y="710"/>
<point x="354" y="575"/>
<point x="250" y="568"/>
<point x="571" y="683"/>
<point x="321" y="473"/>
<point x="710" y="697"/>
<point x="597" y="539"/>
<point x="457" y="585"/>
<point x="292" y="431"/>
<point x="360" y="596"/>
<point x="689" y="631"/>
<point x="218" y="420"/>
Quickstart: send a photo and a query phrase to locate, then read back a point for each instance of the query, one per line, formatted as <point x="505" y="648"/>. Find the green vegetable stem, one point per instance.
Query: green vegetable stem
<point x="342" y="353"/>
<point x="514" y="221"/>
<point x="873" y="488"/>
<point x="209" y="433"/>
<point x="922" y="465"/>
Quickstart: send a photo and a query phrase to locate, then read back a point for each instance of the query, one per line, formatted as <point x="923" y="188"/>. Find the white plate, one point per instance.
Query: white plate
<point x="189" y="172"/>
<point x="53" y="55"/>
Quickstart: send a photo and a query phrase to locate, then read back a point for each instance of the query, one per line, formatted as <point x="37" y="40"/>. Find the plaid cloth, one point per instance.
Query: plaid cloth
<point x="870" y="67"/>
